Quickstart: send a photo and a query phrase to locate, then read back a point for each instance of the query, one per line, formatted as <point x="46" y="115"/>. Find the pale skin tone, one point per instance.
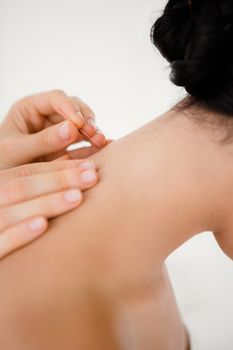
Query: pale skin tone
<point x="35" y="126"/>
<point x="40" y="128"/>
<point x="97" y="280"/>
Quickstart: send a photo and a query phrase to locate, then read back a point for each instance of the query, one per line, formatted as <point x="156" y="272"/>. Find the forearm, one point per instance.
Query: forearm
<point x="145" y="205"/>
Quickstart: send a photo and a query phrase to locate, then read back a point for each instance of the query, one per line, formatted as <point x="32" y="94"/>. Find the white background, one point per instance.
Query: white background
<point x="101" y="51"/>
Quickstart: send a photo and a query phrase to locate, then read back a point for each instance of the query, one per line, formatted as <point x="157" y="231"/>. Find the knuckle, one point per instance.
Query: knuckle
<point x="25" y="101"/>
<point x="24" y="170"/>
<point x="62" y="166"/>
<point x="57" y="99"/>
<point x="17" y="104"/>
<point x="62" y="179"/>
<point x="85" y="106"/>
<point x="78" y="100"/>
<point x="71" y="178"/>
<point x="45" y="139"/>
<point x="74" y="99"/>
<point x="3" y="219"/>
<point x="57" y="93"/>
<point x="68" y="164"/>
<point x="14" y="190"/>
<point x="24" y="105"/>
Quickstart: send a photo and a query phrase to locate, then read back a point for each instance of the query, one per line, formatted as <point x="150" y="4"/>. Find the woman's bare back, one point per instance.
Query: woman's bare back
<point x="97" y="280"/>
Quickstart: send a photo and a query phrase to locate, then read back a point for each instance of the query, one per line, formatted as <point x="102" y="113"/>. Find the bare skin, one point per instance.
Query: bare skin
<point x="34" y="130"/>
<point x="97" y="280"/>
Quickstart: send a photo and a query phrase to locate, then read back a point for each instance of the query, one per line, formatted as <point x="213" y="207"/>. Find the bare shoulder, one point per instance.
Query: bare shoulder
<point x="148" y="198"/>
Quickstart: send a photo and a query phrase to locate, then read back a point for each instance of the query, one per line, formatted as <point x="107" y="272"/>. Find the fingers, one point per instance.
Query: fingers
<point x="40" y="168"/>
<point x="82" y="153"/>
<point x="30" y="147"/>
<point x="26" y="188"/>
<point x="48" y="206"/>
<point x="89" y="129"/>
<point x="48" y="103"/>
<point x="56" y="104"/>
<point x="53" y="139"/>
<point x="86" y="111"/>
<point x="21" y="234"/>
<point x="108" y="141"/>
<point x="70" y="108"/>
<point x="26" y="202"/>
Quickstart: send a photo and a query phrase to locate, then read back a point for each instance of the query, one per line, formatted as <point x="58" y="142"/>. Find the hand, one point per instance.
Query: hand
<point x="31" y="194"/>
<point x="35" y="130"/>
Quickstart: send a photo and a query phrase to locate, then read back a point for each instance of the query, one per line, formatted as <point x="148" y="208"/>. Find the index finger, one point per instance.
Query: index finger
<point x="40" y="168"/>
<point x="56" y="101"/>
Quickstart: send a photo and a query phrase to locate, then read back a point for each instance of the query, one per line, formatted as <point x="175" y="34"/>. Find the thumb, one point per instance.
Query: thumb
<point x="52" y="139"/>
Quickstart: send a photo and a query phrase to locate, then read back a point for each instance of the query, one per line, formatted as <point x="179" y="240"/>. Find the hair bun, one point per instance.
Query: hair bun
<point x="197" y="41"/>
<point x="191" y="74"/>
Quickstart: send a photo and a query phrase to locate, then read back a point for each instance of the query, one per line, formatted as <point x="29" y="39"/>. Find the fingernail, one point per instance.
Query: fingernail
<point x="64" y="131"/>
<point x="87" y="165"/>
<point x="91" y="122"/>
<point x="37" y="224"/>
<point x="88" y="176"/>
<point x="72" y="196"/>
